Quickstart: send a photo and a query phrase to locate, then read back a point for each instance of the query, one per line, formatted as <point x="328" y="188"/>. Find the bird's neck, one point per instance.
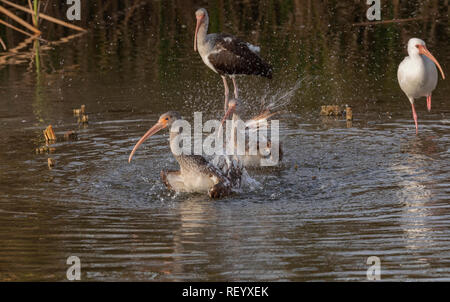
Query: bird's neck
<point x="202" y="32"/>
<point x="419" y="61"/>
<point x="414" y="55"/>
<point x="174" y="141"/>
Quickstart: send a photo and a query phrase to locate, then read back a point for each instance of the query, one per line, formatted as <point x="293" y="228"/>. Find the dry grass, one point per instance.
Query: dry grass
<point x="19" y="20"/>
<point x="34" y="11"/>
<point x="43" y="16"/>
<point x="3" y="44"/>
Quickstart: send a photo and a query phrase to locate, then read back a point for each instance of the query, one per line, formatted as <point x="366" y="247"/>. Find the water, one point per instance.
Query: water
<point x="343" y="193"/>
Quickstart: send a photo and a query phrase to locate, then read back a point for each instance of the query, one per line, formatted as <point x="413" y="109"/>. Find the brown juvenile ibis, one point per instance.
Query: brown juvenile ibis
<point x="227" y="55"/>
<point x="196" y="174"/>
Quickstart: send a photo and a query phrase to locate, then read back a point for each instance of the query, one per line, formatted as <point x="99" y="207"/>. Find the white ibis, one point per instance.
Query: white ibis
<point x="196" y="174"/>
<point x="248" y="159"/>
<point x="227" y="55"/>
<point x="417" y="74"/>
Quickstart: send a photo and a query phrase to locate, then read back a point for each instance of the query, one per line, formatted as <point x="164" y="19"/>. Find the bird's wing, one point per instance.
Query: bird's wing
<point x="401" y="76"/>
<point x="412" y="79"/>
<point x="199" y="164"/>
<point x="231" y="55"/>
<point x="235" y="45"/>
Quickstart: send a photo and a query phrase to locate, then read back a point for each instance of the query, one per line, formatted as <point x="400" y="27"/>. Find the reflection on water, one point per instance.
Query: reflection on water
<point x="416" y="197"/>
<point x="344" y="192"/>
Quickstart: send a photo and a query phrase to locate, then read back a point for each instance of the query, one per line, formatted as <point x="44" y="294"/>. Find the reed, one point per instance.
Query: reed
<point x="36" y="13"/>
<point x="34" y="10"/>
<point x="37" y="58"/>
<point x="19" y="20"/>
<point x="172" y="23"/>
<point x="43" y="16"/>
<point x="3" y="43"/>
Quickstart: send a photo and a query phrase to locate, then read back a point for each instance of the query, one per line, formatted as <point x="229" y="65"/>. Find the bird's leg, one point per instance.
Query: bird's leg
<point x="227" y="92"/>
<point x="429" y="102"/>
<point x="236" y="95"/>
<point x="415" y="117"/>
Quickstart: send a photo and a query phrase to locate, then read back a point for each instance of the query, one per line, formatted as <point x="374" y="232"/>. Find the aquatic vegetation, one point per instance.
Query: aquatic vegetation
<point x="33" y="32"/>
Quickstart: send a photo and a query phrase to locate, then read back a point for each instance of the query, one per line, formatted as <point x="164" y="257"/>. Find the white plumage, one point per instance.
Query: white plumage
<point x="417" y="74"/>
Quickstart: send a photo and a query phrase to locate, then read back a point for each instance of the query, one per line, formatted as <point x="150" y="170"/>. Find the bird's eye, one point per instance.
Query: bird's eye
<point x="167" y="118"/>
<point x="417" y="45"/>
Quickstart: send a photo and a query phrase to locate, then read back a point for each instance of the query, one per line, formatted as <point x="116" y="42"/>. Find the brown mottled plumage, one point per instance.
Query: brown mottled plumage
<point x="196" y="174"/>
<point x="227" y="55"/>
<point x="232" y="56"/>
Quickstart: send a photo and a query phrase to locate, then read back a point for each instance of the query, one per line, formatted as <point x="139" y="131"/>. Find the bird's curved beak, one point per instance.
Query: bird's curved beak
<point x="199" y="22"/>
<point x="424" y="51"/>
<point x="157" y="127"/>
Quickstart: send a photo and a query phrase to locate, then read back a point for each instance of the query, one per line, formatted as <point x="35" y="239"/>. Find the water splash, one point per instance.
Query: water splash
<point x="233" y="168"/>
<point x="282" y="97"/>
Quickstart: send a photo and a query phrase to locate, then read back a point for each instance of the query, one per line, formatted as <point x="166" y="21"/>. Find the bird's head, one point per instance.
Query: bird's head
<point x="418" y="47"/>
<point x="201" y="13"/>
<point x="169" y="118"/>
<point x="164" y="121"/>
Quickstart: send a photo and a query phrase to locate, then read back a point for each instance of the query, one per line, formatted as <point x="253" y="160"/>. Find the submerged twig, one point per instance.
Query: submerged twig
<point x="51" y="163"/>
<point x="45" y="149"/>
<point x="83" y="119"/>
<point x="80" y="111"/>
<point x="70" y="135"/>
<point x="331" y="110"/>
<point x="349" y="113"/>
<point x="49" y="134"/>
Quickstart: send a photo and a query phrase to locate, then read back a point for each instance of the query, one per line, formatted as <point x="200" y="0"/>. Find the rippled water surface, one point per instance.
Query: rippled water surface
<point x="343" y="193"/>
